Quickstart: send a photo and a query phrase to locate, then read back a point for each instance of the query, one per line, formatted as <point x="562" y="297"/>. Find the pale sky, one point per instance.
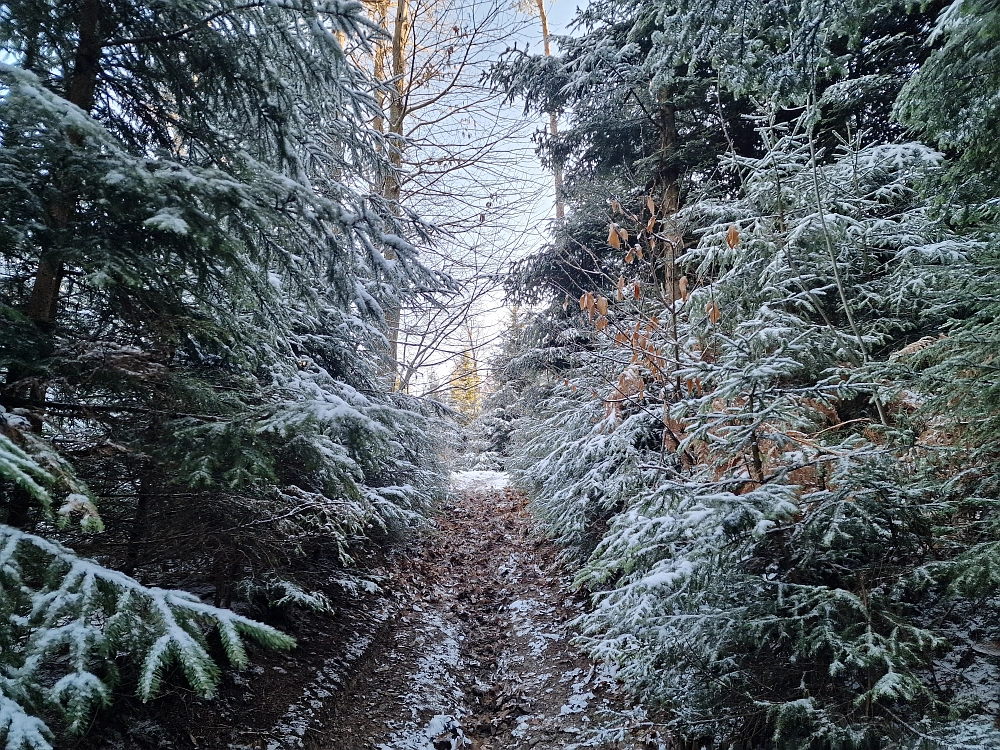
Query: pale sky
<point x="560" y="14"/>
<point x="493" y="314"/>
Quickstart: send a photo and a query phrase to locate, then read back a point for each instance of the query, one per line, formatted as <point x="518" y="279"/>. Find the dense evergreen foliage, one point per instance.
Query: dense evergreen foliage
<point x="766" y="435"/>
<point x="751" y="383"/>
<point x="193" y="276"/>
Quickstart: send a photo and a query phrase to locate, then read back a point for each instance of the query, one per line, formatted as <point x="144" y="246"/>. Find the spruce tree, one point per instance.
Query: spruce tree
<point x="193" y="284"/>
<point x="776" y="472"/>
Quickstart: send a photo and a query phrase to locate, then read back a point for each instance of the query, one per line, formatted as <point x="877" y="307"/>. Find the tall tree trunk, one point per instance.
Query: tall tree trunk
<point x="391" y="64"/>
<point x="553" y="119"/>
<point x="138" y="532"/>
<point x="44" y="299"/>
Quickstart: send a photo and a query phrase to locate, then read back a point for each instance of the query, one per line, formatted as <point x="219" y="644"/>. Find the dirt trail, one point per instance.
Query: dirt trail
<point x="460" y="641"/>
<point x="479" y="655"/>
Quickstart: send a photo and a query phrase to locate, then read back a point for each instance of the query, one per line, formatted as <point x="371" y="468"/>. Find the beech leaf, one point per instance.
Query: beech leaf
<point x="732" y="236"/>
<point x="713" y="312"/>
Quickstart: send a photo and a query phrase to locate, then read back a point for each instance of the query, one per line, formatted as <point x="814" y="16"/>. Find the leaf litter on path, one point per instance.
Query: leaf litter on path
<point x="479" y="655"/>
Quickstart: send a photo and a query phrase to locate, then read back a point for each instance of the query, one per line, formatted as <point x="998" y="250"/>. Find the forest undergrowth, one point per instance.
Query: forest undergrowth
<point x="753" y="394"/>
<point x="749" y="381"/>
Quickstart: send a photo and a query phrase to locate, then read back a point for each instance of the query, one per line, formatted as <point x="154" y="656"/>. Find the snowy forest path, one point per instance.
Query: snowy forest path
<point x="480" y="657"/>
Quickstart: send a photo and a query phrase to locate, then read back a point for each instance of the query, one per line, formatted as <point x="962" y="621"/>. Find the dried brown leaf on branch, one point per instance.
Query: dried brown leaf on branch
<point x="732" y="236"/>
<point x="613" y="239"/>
<point x="913" y="348"/>
<point x="630" y="385"/>
<point x="713" y="312"/>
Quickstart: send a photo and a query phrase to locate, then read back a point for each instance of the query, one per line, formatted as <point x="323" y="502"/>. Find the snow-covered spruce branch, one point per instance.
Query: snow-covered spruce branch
<point x="64" y="615"/>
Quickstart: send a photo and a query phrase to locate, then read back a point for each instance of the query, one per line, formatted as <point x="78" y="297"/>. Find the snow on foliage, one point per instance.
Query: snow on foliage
<point x="757" y="523"/>
<point x="207" y="365"/>
<point x="63" y="614"/>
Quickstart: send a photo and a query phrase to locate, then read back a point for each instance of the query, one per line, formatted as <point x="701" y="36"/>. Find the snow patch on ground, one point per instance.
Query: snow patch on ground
<point x="301" y="716"/>
<point x="476" y="481"/>
<point x="578" y="701"/>
<point x="434" y="689"/>
<point x="441" y="727"/>
<point x="530" y="618"/>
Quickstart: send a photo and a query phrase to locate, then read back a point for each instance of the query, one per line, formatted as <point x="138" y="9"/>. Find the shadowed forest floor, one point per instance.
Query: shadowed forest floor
<point x="480" y="656"/>
<point x="465" y="645"/>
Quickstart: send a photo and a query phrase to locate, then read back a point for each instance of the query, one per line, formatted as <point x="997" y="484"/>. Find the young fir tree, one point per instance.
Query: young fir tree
<point x="755" y="507"/>
<point x="192" y="280"/>
<point x="778" y="478"/>
<point x="465" y="384"/>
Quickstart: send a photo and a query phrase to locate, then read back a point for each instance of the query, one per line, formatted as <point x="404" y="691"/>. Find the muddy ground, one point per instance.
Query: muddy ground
<point x="480" y="656"/>
<point x="467" y="645"/>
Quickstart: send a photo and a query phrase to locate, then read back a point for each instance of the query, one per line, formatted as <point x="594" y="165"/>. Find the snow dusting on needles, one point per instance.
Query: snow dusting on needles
<point x="464" y="481"/>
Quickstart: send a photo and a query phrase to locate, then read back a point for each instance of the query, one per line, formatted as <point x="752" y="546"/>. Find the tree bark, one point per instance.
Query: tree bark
<point x="80" y="90"/>
<point x="43" y="303"/>
<point x="393" y="58"/>
<point x="137" y="534"/>
<point x="553" y="119"/>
